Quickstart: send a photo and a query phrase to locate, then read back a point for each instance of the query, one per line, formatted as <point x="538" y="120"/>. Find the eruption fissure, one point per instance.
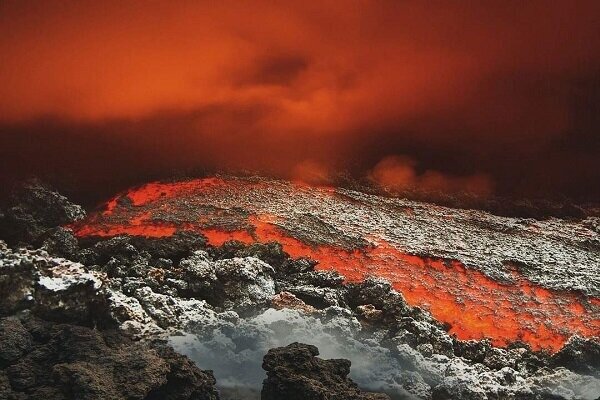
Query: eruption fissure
<point x="475" y="304"/>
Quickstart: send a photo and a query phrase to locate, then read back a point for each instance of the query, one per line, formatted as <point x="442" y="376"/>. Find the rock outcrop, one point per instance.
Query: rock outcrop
<point x="294" y="372"/>
<point x="34" y="210"/>
<point x="46" y="360"/>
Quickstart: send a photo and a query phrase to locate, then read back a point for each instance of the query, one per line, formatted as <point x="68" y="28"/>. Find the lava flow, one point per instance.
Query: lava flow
<point x="306" y="222"/>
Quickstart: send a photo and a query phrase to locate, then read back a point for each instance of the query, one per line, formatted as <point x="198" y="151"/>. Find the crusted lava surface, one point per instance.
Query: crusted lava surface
<point x="485" y="276"/>
<point x="92" y="309"/>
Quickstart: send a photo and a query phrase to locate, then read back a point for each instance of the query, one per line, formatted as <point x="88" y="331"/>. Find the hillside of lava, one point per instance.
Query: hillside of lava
<point x="483" y="276"/>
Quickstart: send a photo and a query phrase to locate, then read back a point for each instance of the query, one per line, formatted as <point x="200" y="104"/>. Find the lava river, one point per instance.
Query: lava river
<point x="486" y="276"/>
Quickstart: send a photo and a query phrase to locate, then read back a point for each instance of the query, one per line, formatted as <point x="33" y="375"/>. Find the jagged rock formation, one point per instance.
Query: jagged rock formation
<point x="394" y="346"/>
<point x="295" y="372"/>
<point x="33" y="211"/>
<point x="483" y="276"/>
<point x="44" y="360"/>
<point x="63" y="357"/>
<point x="52" y="287"/>
<point x="554" y="253"/>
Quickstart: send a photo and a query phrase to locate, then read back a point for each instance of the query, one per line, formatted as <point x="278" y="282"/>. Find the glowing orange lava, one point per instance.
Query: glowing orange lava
<point x="475" y="305"/>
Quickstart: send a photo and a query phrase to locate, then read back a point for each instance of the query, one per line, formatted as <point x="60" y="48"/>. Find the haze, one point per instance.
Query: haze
<point x="495" y="97"/>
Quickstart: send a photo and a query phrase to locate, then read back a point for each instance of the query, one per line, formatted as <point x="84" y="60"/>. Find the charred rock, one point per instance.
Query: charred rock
<point x="295" y="372"/>
<point x="42" y="359"/>
<point x="35" y="209"/>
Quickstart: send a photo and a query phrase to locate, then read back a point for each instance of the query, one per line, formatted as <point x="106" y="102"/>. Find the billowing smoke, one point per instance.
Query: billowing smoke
<point x="398" y="174"/>
<point x="103" y="95"/>
<point x="310" y="171"/>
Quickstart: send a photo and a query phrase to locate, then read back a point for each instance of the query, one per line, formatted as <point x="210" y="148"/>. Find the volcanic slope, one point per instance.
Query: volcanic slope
<point x="486" y="276"/>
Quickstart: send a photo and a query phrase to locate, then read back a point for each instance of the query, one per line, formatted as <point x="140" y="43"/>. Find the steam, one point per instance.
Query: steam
<point x="310" y="171"/>
<point x="235" y="351"/>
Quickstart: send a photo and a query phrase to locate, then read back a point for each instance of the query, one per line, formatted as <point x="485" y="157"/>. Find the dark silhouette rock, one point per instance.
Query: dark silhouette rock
<point x="61" y="242"/>
<point x="175" y="247"/>
<point x="295" y="372"/>
<point x="44" y="360"/>
<point x="579" y="354"/>
<point x="34" y="210"/>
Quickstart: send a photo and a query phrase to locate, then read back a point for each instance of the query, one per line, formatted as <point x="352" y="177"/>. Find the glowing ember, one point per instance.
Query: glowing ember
<point x="475" y="305"/>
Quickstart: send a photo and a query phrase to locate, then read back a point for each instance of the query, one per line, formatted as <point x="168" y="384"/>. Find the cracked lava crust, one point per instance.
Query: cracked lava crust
<point x="506" y="279"/>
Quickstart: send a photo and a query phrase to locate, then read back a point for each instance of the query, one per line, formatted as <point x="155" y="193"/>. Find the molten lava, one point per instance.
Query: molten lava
<point x="475" y="305"/>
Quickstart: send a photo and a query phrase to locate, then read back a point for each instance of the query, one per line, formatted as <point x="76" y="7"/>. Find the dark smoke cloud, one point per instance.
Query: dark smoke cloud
<point x="106" y="94"/>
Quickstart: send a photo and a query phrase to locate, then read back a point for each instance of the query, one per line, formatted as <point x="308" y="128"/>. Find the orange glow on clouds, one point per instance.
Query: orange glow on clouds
<point x="398" y="174"/>
<point x="323" y="66"/>
<point x="265" y="86"/>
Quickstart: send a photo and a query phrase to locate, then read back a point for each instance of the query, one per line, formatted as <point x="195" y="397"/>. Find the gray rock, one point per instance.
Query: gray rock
<point x="35" y="209"/>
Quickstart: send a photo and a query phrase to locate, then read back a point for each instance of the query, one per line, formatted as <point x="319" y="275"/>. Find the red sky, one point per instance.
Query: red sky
<point x="505" y="91"/>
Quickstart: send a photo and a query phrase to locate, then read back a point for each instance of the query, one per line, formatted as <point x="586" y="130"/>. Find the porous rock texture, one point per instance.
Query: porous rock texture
<point x="393" y="347"/>
<point x="58" y="338"/>
<point x="294" y="372"/>
<point x="47" y="360"/>
<point x="34" y="211"/>
<point x="553" y="253"/>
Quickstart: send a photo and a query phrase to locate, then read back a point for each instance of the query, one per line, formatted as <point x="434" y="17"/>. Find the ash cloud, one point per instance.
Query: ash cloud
<point x="106" y="94"/>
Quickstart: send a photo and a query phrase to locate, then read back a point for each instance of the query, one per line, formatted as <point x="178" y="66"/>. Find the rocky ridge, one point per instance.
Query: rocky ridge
<point x="295" y="372"/>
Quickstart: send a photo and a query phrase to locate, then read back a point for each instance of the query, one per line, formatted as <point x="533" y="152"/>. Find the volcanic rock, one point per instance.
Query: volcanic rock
<point x="379" y="294"/>
<point x="35" y="209"/>
<point x="119" y="257"/>
<point x="552" y="252"/>
<point x="317" y="297"/>
<point x="271" y="253"/>
<point x="174" y="248"/>
<point x="579" y="354"/>
<point x="247" y="282"/>
<point x="15" y="341"/>
<point x="308" y="277"/>
<point x="369" y="313"/>
<point x="295" y="372"/>
<point x="405" y="350"/>
<point x="225" y="305"/>
<point x="288" y="300"/>
<point x="61" y="242"/>
<point x="46" y="360"/>
<point x="52" y="287"/>
<point x="238" y="283"/>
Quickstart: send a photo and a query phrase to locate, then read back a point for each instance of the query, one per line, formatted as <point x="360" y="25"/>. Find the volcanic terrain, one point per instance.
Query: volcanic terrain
<point x="487" y="277"/>
<point x="247" y="275"/>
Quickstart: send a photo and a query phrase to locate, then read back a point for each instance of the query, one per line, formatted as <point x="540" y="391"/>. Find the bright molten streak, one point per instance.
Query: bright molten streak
<point x="360" y="235"/>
